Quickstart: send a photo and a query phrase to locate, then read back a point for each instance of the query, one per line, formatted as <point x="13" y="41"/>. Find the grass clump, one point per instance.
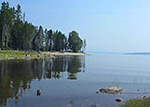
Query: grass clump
<point x="137" y="103"/>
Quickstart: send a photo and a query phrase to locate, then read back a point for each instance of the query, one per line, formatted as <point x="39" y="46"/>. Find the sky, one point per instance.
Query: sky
<point x="107" y="25"/>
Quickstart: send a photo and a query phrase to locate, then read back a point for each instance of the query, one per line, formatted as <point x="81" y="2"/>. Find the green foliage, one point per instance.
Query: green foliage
<point x="18" y="34"/>
<point x="6" y="14"/>
<point x="55" y="41"/>
<point x="59" y="41"/>
<point x="18" y="13"/>
<point x="38" y="40"/>
<point x="28" y="32"/>
<point x="75" y="43"/>
<point x="49" y="40"/>
<point x="6" y="19"/>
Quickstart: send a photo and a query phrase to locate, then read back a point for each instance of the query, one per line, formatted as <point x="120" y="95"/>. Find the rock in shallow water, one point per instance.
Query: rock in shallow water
<point x="142" y="97"/>
<point x="111" y="90"/>
<point x="119" y="99"/>
<point x="38" y="92"/>
<point x="97" y="92"/>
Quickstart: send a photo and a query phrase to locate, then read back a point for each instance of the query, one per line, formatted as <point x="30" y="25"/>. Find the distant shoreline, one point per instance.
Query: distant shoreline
<point x="7" y="55"/>
<point x="138" y="53"/>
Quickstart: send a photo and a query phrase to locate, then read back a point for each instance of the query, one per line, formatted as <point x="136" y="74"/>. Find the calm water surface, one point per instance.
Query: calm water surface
<point x="73" y="80"/>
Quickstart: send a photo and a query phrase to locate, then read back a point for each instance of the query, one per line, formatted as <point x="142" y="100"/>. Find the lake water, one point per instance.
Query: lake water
<point x="72" y="81"/>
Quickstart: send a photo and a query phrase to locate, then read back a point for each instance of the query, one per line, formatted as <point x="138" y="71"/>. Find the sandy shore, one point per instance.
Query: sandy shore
<point x="65" y="53"/>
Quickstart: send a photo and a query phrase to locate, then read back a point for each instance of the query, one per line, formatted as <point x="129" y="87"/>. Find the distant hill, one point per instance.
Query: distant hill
<point x="138" y="53"/>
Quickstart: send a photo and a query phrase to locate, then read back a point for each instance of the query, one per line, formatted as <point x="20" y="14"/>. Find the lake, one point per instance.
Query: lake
<point x="72" y="81"/>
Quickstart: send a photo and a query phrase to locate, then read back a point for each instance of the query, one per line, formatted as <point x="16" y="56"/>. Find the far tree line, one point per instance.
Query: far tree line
<point x="18" y="34"/>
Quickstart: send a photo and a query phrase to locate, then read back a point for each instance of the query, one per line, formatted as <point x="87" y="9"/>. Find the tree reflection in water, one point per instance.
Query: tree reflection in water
<point x="16" y="75"/>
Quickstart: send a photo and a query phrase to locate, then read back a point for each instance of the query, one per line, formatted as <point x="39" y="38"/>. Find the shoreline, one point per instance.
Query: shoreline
<point x="8" y="55"/>
<point x="66" y="53"/>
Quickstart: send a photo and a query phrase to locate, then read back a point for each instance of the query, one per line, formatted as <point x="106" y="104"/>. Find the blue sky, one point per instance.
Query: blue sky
<point x="107" y="25"/>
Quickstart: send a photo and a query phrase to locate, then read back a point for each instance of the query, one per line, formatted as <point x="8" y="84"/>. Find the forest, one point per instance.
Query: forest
<point x="18" y="34"/>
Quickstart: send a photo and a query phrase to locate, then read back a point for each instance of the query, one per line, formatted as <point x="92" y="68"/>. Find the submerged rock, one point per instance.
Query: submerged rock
<point x="38" y="92"/>
<point x="111" y="90"/>
<point x="119" y="99"/>
<point x="97" y="92"/>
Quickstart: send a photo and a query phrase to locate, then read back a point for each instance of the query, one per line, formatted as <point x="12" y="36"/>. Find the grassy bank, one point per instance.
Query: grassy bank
<point x="137" y="103"/>
<point x="6" y="55"/>
<point x="17" y="53"/>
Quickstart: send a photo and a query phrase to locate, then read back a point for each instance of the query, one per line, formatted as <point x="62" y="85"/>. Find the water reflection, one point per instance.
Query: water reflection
<point x="16" y="75"/>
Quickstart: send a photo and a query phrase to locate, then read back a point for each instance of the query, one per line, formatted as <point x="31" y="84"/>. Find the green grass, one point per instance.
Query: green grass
<point x="137" y="103"/>
<point x="16" y="54"/>
<point x="11" y="53"/>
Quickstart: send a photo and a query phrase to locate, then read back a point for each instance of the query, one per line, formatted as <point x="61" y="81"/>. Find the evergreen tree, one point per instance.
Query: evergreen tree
<point x="59" y="41"/>
<point x="49" y="40"/>
<point x="75" y="43"/>
<point x="28" y="33"/>
<point x="38" y="40"/>
<point x="6" y="22"/>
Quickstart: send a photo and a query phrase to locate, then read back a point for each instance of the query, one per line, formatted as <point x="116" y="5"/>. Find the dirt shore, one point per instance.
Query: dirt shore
<point x="65" y="53"/>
